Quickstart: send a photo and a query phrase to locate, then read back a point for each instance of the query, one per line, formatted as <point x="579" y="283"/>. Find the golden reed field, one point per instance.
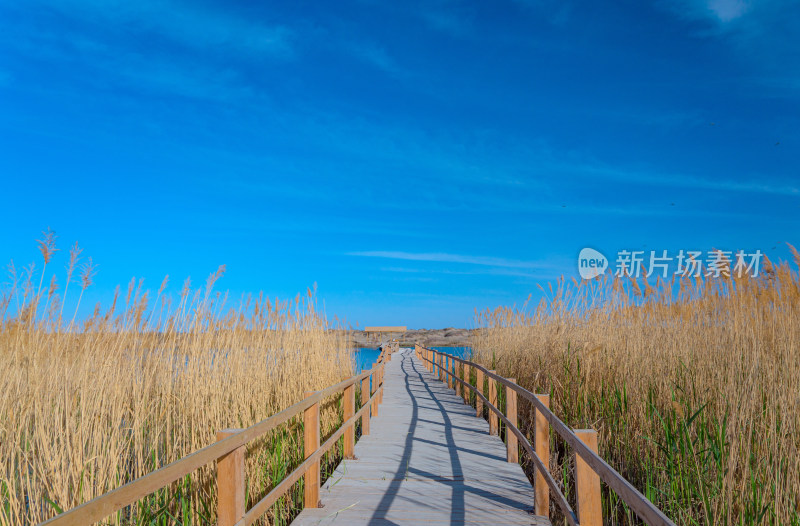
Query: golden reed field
<point x="87" y="406"/>
<point x="693" y="386"/>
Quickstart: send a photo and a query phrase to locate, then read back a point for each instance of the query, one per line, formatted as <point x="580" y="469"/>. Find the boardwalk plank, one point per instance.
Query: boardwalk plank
<point x="428" y="461"/>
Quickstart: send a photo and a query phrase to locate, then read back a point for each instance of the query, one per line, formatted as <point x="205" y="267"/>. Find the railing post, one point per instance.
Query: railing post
<point x="512" y="448"/>
<point x="364" y="400"/>
<point x="374" y="388"/>
<point x="493" y="427"/>
<point x="467" y="390"/>
<point x="479" y="385"/>
<point x="383" y="375"/>
<point x="310" y="446"/>
<point x="542" y="447"/>
<point x="448" y="365"/>
<point x="590" y="510"/>
<point x="458" y="376"/>
<point x="230" y="483"/>
<point x="349" y="402"/>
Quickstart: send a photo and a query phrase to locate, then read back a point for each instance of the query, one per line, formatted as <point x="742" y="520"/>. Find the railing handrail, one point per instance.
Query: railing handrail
<point x="640" y="504"/>
<point x="125" y="495"/>
<point x="261" y="507"/>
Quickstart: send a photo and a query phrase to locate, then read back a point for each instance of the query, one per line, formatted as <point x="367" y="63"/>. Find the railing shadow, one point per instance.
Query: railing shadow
<point x="409" y="367"/>
<point x="396" y="481"/>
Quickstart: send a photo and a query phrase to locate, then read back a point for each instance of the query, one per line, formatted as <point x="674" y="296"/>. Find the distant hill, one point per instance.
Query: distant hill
<point x="449" y="337"/>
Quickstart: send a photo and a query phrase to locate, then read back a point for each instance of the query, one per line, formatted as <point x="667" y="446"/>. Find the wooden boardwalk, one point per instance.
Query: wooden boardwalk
<point x="428" y="460"/>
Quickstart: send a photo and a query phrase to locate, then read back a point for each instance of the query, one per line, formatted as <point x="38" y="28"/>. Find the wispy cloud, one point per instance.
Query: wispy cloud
<point x="727" y="10"/>
<point x="552" y="271"/>
<point x="451" y="17"/>
<point x="557" y="12"/>
<point x="111" y="69"/>
<point x="191" y="24"/>
<point x="443" y="257"/>
<point x="201" y="50"/>
<point x="449" y="22"/>
<point x="718" y="11"/>
<point x="645" y="177"/>
<point x="764" y="31"/>
<point x="376" y="56"/>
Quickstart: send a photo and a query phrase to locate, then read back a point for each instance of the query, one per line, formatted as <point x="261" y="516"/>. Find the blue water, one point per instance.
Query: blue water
<point x="364" y="357"/>
<point x="460" y="352"/>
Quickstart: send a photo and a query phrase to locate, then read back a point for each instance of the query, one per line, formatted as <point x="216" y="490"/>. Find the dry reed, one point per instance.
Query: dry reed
<point x="87" y="406"/>
<point x="694" y="386"/>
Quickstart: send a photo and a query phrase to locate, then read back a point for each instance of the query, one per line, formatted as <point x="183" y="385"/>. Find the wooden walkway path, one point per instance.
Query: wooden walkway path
<point x="428" y="460"/>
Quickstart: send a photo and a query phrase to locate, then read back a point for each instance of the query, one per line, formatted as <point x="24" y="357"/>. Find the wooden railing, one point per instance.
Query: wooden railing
<point x="229" y="453"/>
<point x="590" y="467"/>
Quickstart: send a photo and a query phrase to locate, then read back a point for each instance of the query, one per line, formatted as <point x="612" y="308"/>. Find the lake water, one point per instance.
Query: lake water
<point x="364" y="357"/>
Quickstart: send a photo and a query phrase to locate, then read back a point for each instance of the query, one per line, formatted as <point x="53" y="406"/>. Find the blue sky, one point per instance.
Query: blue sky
<point x="417" y="160"/>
